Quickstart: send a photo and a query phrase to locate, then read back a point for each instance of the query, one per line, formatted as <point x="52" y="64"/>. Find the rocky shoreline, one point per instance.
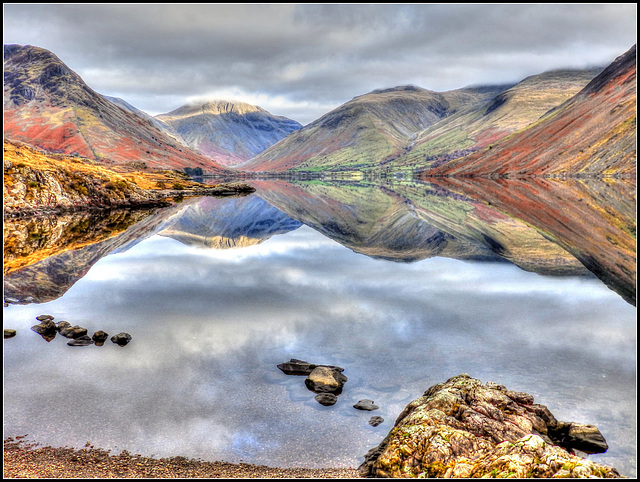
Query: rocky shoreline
<point x="24" y="460"/>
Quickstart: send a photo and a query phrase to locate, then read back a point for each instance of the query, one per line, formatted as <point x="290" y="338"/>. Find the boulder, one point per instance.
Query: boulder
<point x="46" y="329"/>
<point x="366" y="404"/>
<point x="465" y="429"/>
<point x="121" y="339"/>
<point x="99" y="337"/>
<point x="326" y="399"/>
<point x="44" y="318"/>
<point x="324" y="379"/>
<point x="9" y="333"/>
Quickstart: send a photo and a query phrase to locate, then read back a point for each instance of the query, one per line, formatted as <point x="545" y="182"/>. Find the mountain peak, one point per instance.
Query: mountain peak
<point x="213" y="107"/>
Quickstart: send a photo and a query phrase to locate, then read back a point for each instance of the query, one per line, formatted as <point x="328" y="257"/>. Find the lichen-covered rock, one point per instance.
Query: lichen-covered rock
<point x="463" y="428"/>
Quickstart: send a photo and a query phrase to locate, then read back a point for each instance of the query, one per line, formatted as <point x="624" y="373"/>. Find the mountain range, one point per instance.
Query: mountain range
<point x="565" y="122"/>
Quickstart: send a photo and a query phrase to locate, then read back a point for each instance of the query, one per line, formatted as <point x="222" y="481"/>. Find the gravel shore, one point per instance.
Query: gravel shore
<point x="24" y="460"/>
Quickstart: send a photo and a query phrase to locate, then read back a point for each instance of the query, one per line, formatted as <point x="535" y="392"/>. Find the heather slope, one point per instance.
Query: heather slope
<point x="509" y="111"/>
<point x="49" y="106"/>
<point x="591" y="134"/>
<point x="365" y="131"/>
<point x="228" y="132"/>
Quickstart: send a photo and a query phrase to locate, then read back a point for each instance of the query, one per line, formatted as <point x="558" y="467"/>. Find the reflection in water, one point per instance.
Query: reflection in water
<point x="209" y="327"/>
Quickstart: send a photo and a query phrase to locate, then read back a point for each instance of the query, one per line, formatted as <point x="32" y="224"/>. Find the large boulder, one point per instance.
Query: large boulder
<point x="324" y="379"/>
<point x="463" y="428"/>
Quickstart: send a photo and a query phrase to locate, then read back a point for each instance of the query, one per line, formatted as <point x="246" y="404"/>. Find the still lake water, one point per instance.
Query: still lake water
<point x="213" y="306"/>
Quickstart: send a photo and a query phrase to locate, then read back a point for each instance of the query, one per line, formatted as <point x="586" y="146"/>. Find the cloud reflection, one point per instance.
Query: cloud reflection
<point x="199" y="378"/>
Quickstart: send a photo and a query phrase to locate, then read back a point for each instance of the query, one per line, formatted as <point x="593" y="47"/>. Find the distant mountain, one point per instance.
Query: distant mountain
<point x="49" y="106"/>
<point x="591" y="134"/>
<point x="482" y="124"/>
<point x="365" y="131"/>
<point x="228" y="132"/>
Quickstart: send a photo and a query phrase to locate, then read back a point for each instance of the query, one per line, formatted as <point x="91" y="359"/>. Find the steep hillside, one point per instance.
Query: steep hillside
<point x="509" y="111"/>
<point x="591" y="134"/>
<point x="365" y="131"/>
<point x="228" y="132"/>
<point x="49" y="106"/>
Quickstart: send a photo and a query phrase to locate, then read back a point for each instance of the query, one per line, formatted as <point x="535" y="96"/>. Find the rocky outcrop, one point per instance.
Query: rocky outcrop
<point x="465" y="429"/>
<point x="37" y="182"/>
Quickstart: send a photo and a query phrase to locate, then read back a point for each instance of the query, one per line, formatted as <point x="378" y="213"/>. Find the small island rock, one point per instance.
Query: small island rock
<point x="366" y="404"/>
<point x="9" y="333"/>
<point x="121" y="339"/>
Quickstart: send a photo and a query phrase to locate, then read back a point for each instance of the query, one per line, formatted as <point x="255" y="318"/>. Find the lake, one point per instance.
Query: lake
<point x="404" y="284"/>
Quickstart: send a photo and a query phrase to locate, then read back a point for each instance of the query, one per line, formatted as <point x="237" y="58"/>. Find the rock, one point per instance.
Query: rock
<point x="99" y="337"/>
<point x="9" y="333"/>
<point x="44" y="318"/>
<point x="73" y="331"/>
<point x="46" y="329"/>
<point x="366" y="404"/>
<point x="299" y="367"/>
<point x="63" y="324"/>
<point x="82" y="340"/>
<point x="326" y="399"/>
<point x="464" y="429"/>
<point x="375" y="421"/>
<point x="121" y="338"/>
<point x="324" y="379"/>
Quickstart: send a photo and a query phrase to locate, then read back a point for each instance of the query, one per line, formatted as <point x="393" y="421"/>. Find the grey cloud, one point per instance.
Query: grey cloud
<point x="320" y="53"/>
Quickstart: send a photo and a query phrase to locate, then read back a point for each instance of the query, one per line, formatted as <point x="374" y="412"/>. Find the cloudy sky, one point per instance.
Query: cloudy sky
<point x="302" y="60"/>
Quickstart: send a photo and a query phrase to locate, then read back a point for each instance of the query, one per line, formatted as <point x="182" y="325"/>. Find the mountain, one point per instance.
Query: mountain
<point x="365" y="131"/>
<point x="591" y="134"/>
<point x="49" y="106"/>
<point x="482" y="124"/>
<point x="228" y="132"/>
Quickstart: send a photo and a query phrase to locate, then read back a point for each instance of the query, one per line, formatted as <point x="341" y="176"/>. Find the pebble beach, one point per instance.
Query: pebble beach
<point x="26" y="460"/>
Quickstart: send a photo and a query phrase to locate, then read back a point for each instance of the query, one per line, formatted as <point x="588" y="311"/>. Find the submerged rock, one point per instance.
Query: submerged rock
<point x="462" y="428"/>
<point x="324" y="379"/>
<point x="326" y="399"/>
<point x="121" y="338"/>
<point x="375" y="421"/>
<point x="83" y="340"/>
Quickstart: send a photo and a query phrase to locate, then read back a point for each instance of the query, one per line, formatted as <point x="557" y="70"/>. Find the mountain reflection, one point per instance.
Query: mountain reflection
<point x="547" y="227"/>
